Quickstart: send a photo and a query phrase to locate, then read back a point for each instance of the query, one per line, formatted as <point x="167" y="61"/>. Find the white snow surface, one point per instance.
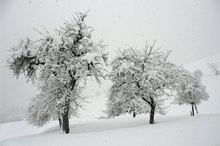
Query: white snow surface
<point x="175" y="128"/>
<point x="202" y="130"/>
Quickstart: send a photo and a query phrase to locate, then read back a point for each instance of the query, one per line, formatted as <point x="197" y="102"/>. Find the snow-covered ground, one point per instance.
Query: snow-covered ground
<point x="202" y="130"/>
<point x="175" y="128"/>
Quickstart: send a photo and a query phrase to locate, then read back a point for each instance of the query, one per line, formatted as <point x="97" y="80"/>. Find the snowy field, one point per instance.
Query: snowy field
<point x="63" y="59"/>
<point x="201" y="130"/>
<point x="175" y="128"/>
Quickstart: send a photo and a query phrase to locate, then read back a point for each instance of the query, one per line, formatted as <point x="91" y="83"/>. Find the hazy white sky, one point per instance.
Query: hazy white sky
<point x="189" y="28"/>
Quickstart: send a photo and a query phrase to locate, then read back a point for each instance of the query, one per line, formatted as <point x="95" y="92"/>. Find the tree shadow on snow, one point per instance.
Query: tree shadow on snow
<point x="102" y="125"/>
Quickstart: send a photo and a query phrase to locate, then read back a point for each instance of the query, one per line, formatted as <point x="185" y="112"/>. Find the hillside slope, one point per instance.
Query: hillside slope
<point x="212" y="84"/>
<point x="175" y="128"/>
<point x="201" y="130"/>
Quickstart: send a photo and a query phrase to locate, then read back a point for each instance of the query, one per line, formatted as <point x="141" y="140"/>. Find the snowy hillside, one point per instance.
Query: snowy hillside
<point x="204" y="66"/>
<point x="212" y="83"/>
<point x="175" y="128"/>
<point x="208" y="107"/>
<point x="97" y="95"/>
<point x="202" y="130"/>
<point x="100" y="73"/>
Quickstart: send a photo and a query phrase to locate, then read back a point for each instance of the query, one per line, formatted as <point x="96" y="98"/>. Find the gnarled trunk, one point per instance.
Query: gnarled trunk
<point x="152" y="112"/>
<point x="65" y="118"/>
<point x="65" y="114"/>
<point x="192" y="112"/>
<point x="152" y="105"/>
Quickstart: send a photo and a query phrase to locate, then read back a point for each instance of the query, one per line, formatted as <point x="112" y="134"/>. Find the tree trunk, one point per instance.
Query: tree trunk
<point x="65" y="114"/>
<point x="65" y="118"/>
<point x="134" y="114"/>
<point x="60" y="122"/>
<point x="152" y="112"/>
<point x="196" y="109"/>
<point x="192" y="113"/>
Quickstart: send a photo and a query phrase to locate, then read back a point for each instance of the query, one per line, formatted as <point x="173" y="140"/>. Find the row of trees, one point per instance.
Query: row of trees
<point x="144" y="79"/>
<point x="61" y="63"/>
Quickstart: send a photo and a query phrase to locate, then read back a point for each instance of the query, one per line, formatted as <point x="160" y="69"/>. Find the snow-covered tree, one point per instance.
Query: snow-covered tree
<point x="145" y="75"/>
<point x="47" y="105"/>
<point x="59" y="63"/>
<point x="118" y="105"/>
<point x="190" y="90"/>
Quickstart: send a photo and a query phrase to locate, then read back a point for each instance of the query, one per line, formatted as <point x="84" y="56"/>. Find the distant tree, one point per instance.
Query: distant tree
<point x="59" y="63"/>
<point x="215" y="67"/>
<point x="145" y="75"/>
<point x="190" y="90"/>
<point x="198" y="73"/>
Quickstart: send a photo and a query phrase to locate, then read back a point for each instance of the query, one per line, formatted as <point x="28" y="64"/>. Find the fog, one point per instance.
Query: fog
<point x="189" y="28"/>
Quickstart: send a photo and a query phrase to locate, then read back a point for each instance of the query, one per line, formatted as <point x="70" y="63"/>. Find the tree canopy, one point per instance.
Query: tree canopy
<point x="59" y="63"/>
<point x="145" y="75"/>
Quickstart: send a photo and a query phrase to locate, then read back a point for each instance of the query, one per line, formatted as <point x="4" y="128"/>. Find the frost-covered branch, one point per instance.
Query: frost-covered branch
<point x="59" y="63"/>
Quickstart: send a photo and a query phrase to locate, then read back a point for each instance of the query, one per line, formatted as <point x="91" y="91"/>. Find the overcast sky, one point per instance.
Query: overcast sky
<point x="191" y="29"/>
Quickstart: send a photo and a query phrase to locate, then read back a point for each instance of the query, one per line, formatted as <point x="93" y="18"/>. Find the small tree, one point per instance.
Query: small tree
<point x="59" y="63"/>
<point x="145" y="75"/>
<point x="190" y="90"/>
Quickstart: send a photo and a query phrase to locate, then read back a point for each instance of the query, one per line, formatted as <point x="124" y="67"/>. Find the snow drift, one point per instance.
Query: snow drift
<point x="201" y="130"/>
